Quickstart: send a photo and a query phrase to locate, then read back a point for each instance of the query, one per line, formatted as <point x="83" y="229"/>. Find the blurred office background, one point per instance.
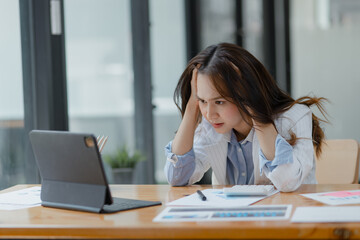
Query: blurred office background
<point x="109" y="67"/>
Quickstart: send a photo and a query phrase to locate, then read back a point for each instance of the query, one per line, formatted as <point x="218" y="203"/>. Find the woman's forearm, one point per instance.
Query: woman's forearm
<point x="266" y="134"/>
<point x="183" y="141"/>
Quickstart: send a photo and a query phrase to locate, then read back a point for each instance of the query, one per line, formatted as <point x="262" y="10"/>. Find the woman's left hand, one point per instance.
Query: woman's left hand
<point x="266" y="133"/>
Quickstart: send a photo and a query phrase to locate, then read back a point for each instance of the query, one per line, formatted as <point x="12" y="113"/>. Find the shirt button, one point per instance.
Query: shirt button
<point x="243" y="174"/>
<point x="239" y="149"/>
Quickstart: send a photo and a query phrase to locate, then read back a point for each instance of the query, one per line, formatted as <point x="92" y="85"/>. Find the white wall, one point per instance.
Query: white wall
<point x="325" y="59"/>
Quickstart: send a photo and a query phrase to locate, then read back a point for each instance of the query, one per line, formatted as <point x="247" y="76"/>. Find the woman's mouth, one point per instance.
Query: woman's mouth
<point x="217" y="125"/>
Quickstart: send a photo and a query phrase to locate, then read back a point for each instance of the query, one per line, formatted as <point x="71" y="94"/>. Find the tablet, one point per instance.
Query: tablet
<point x="72" y="173"/>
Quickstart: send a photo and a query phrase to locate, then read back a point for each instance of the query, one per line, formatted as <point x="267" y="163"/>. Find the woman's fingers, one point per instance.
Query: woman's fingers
<point x="194" y="81"/>
<point x="194" y="78"/>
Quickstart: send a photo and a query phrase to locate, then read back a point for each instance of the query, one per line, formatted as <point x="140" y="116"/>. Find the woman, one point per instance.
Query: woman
<point x="236" y="120"/>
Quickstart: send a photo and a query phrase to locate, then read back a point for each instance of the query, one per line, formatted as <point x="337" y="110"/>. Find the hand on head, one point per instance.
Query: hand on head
<point x="193" y="83"/>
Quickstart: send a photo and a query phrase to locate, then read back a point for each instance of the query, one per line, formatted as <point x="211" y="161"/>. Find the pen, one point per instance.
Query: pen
<point x="201" y="195"/>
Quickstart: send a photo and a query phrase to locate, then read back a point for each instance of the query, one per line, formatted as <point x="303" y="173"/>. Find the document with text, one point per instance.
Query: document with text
<point x="246" y="213"/>
<point x="215" y="198"/>
<point x="336" y="198"/>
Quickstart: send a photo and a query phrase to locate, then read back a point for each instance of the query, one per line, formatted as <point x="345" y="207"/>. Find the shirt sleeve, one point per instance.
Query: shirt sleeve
<point x="288" y="177"/>
<point x="283" y="155"/>
<point x="179" y="168"/>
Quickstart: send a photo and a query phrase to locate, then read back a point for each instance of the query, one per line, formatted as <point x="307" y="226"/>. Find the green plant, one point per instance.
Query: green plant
<point x="123" y="159"/>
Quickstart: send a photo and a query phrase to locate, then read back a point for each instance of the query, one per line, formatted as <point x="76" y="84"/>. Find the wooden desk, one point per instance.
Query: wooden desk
<point x="41" y="222"/>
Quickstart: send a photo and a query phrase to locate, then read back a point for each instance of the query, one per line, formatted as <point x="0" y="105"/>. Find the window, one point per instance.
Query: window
<point x="168" y="59"/>
<point x="253" y="27"/>
<point x="99" y="70"/>
<point x="217" y="22"/>
<point x="12" y="134"/>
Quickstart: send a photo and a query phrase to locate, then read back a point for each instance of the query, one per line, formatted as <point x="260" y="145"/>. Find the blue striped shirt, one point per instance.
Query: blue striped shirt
<point x="240" y="166"/>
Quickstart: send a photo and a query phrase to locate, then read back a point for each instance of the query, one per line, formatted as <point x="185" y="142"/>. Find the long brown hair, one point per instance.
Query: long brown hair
<point x="243" y="80"/>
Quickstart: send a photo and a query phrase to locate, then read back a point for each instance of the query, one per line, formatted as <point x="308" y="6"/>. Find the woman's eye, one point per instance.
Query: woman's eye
<point x="219" y="102"/>
<point x="202" y="101"/>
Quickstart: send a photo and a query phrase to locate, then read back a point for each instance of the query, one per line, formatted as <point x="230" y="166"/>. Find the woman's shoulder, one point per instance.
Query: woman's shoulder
<point x="293" y="115"/>
<point x="297" y="111"/>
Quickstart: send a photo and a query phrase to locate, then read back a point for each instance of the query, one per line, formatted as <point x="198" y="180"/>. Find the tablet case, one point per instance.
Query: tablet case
<point x="72" y="173"/>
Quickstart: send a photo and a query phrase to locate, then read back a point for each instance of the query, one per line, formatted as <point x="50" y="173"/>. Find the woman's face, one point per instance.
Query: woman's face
<point x="222" y="114"/>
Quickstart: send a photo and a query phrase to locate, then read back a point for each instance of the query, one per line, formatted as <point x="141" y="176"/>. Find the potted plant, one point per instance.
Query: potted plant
<point x="122" y="164"/>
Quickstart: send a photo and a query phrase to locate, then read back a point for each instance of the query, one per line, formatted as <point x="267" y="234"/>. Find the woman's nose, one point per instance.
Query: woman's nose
<point x="211" y="112"/>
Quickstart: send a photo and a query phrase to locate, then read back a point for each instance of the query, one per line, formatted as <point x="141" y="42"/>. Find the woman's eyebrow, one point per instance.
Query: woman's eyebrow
<point x="211" y="99"/>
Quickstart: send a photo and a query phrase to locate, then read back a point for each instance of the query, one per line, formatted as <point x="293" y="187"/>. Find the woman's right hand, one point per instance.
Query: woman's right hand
<point x="193" y="97"/>
<point x="183" y="141"/>
<point x="194" y="84"/>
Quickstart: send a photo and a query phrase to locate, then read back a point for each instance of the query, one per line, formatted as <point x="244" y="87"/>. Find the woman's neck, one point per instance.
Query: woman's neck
<point x="242" y="134"/>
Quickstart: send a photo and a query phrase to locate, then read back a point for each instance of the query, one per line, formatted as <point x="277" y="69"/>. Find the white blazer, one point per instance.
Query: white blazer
<point x="211" y="147"/>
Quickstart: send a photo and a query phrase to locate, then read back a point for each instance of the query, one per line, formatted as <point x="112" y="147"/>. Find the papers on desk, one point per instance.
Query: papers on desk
<point x="247" y="213"/>
<point x="336" y="198"/>
<point x="220" y="207"/>
<point x="330" y="214"/>
<point x="326" y="214"/>
<point x="25" y="198"/>
<point x="216" y="198"/>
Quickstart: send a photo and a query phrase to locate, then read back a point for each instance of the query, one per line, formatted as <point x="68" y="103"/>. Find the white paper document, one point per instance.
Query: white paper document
<point x="327" y="214"/>
<point x="336" y="198"/>
<point x="215" y="198"/>
<point x="247" y="213"/>
<point x="25" y="198"/>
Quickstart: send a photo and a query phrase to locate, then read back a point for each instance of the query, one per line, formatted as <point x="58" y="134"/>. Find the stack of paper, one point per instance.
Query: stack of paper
<point x="326" y="214"/>
<point x="220" y="207"/>
<point x="25" y="198"/>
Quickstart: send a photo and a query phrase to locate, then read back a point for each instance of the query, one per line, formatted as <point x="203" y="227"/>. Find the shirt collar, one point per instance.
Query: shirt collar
<point x="249" y="138"/>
